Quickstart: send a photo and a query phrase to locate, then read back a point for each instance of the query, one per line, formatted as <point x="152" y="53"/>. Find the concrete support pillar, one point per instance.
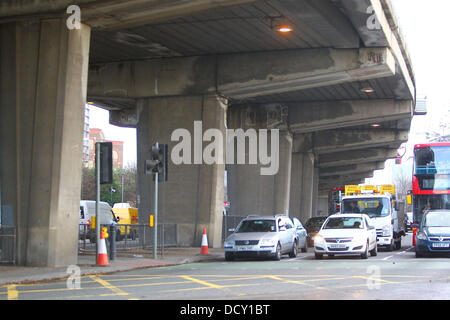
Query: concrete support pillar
<point x="315" y="204"/>
<point x="43" y="83"/>
<point x="303" y="183"/>
<point x="193" y="196"/>
<point x="250" y="192"/>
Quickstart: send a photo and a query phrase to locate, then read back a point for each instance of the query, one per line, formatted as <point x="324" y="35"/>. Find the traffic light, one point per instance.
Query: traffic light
<point x="104" y="150"/>
<point x="158" y="162"/>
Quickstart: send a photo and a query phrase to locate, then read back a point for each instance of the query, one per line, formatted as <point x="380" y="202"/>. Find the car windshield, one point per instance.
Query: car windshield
<point x="435" y="219"/>
<point x="315" y="222"/>
<point x="344" y="223"/>
<point x="256" y="226"/>
<point x="373" y="207"/>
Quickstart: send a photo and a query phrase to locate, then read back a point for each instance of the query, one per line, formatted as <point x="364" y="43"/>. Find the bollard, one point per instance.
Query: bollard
<point x="415" y="226"/>
<point x="112" y="242"/>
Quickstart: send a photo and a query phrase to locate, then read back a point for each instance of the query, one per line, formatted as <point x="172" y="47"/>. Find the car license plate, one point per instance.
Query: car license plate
<point x="245" y="248"/>
<point x="337" y="246"/>
<point x="441" y="245"/>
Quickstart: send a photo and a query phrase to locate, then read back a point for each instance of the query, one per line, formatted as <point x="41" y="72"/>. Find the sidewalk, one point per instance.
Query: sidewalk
<point x="123" y="262"/>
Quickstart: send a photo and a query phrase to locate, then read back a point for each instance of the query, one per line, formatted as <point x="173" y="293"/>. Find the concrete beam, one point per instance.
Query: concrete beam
<point x="239" y="75"/>
<point x="345" y="177"/>
<point x="316" y="116"/>
<point x="327" y="186"/>
<point x="375" y="22"/>
<point x="355" y="157"/>
<point x="257" y="74"/>
<point x="113" y="14"/>
<point x="352" y="168"/>
<point x="343" y="140"/>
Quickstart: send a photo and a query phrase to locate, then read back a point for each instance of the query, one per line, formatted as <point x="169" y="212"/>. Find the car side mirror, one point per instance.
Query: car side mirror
<point x="231" y="230"/>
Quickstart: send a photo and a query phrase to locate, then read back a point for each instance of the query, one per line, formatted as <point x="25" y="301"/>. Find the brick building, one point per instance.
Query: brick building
<point x="96" y="135"/>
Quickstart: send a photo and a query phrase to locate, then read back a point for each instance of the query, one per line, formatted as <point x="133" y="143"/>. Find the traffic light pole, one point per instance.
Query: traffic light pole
<point x="157" y="167"/>
<point x="155" y="226"/>
<point x="97" y="200"/>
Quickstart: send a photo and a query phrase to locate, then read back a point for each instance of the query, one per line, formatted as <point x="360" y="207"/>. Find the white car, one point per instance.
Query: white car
<point x="346" y="234"/>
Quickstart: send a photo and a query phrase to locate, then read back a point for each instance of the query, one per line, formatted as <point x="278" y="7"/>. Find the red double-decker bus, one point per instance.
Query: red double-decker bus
<point x="431" y="178"/>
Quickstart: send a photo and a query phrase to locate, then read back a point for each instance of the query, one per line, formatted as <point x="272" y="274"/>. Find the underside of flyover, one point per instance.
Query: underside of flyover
<point x="339" y="87"/>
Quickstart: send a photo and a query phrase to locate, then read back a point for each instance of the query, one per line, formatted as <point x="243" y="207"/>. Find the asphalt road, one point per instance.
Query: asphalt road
<point x="390" y="275"/>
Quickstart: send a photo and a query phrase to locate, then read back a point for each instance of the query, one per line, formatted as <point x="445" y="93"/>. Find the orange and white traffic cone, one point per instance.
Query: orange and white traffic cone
<point x="204" y="249"/>
<point x="102" y="257"/>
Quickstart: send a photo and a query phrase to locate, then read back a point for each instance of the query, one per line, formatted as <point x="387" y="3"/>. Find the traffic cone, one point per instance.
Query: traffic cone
<point x="102" y="257"/>
<point x="204" y="249"/>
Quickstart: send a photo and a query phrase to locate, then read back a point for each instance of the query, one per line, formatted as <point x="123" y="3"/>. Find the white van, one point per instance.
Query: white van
<point x="87" y="211"/>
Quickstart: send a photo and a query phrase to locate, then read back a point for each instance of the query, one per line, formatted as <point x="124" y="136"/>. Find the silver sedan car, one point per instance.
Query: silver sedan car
<point x="258" y="236"/>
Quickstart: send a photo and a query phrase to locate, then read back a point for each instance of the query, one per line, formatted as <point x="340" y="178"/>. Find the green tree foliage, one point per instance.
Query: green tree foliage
<point x="107" y="194"/>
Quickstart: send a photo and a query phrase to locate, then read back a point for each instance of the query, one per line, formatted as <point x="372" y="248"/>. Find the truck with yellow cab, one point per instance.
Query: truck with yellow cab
<point x="380" y="204"/>
<point x="127" y="216"/>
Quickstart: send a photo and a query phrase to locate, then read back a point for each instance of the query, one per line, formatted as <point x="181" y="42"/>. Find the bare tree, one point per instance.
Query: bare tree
<point x="403" y="181"/>
<point x="440" y="131"/>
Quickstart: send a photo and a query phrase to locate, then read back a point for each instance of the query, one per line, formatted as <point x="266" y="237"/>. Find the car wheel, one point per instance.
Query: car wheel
<point x="365" y="255"/>
<point x="293" y="253"/>
<point x="318" y="256"/>
<point x="374" y="252"/>
<point x="398" y="244"/>
<point x="277" y="256"/>
<point x="390" y="247"/>
<point x="229" y="256"/>
<point x="419" y="254"/>
<point x="305" y="248"/>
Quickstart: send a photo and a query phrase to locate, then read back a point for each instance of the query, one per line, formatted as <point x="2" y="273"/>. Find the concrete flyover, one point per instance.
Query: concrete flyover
<point x="340" y="88"/>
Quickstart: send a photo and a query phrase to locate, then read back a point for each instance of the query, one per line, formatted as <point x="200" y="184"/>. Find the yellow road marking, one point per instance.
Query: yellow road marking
<point x="207" y="284"/>
<point x="13" y="294"/>
<point x="109" y="286"/>
<point x="299" y="282"/>
<point x="222" y="287"/>
<point x="375" y="279"/>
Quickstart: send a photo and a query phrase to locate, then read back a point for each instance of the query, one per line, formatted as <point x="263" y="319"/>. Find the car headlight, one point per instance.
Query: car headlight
<point x="229" y="244"/>
<point x="318" y="239"/>
<point x="386" y="231"/>
<point x="422" y="236"/>
<point x="268" y="241"/>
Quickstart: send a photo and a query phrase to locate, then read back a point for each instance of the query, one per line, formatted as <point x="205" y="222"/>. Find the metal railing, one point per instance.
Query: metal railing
<point x="230" y="223"/>
<point x="8" y="235"/>
<point x="129" y="237"/>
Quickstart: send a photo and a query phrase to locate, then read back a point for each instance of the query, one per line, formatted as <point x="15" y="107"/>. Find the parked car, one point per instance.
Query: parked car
<point x="433" y="235"/>
<point x="346" y="234"/>
<point x="258" y="236"/>
<point x="87" y="211"/>
<point x="312" y="227"/>
<point x="301" y="234"/>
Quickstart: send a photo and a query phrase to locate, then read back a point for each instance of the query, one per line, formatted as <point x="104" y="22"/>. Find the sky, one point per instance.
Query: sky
<point x="425" y="26"/>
